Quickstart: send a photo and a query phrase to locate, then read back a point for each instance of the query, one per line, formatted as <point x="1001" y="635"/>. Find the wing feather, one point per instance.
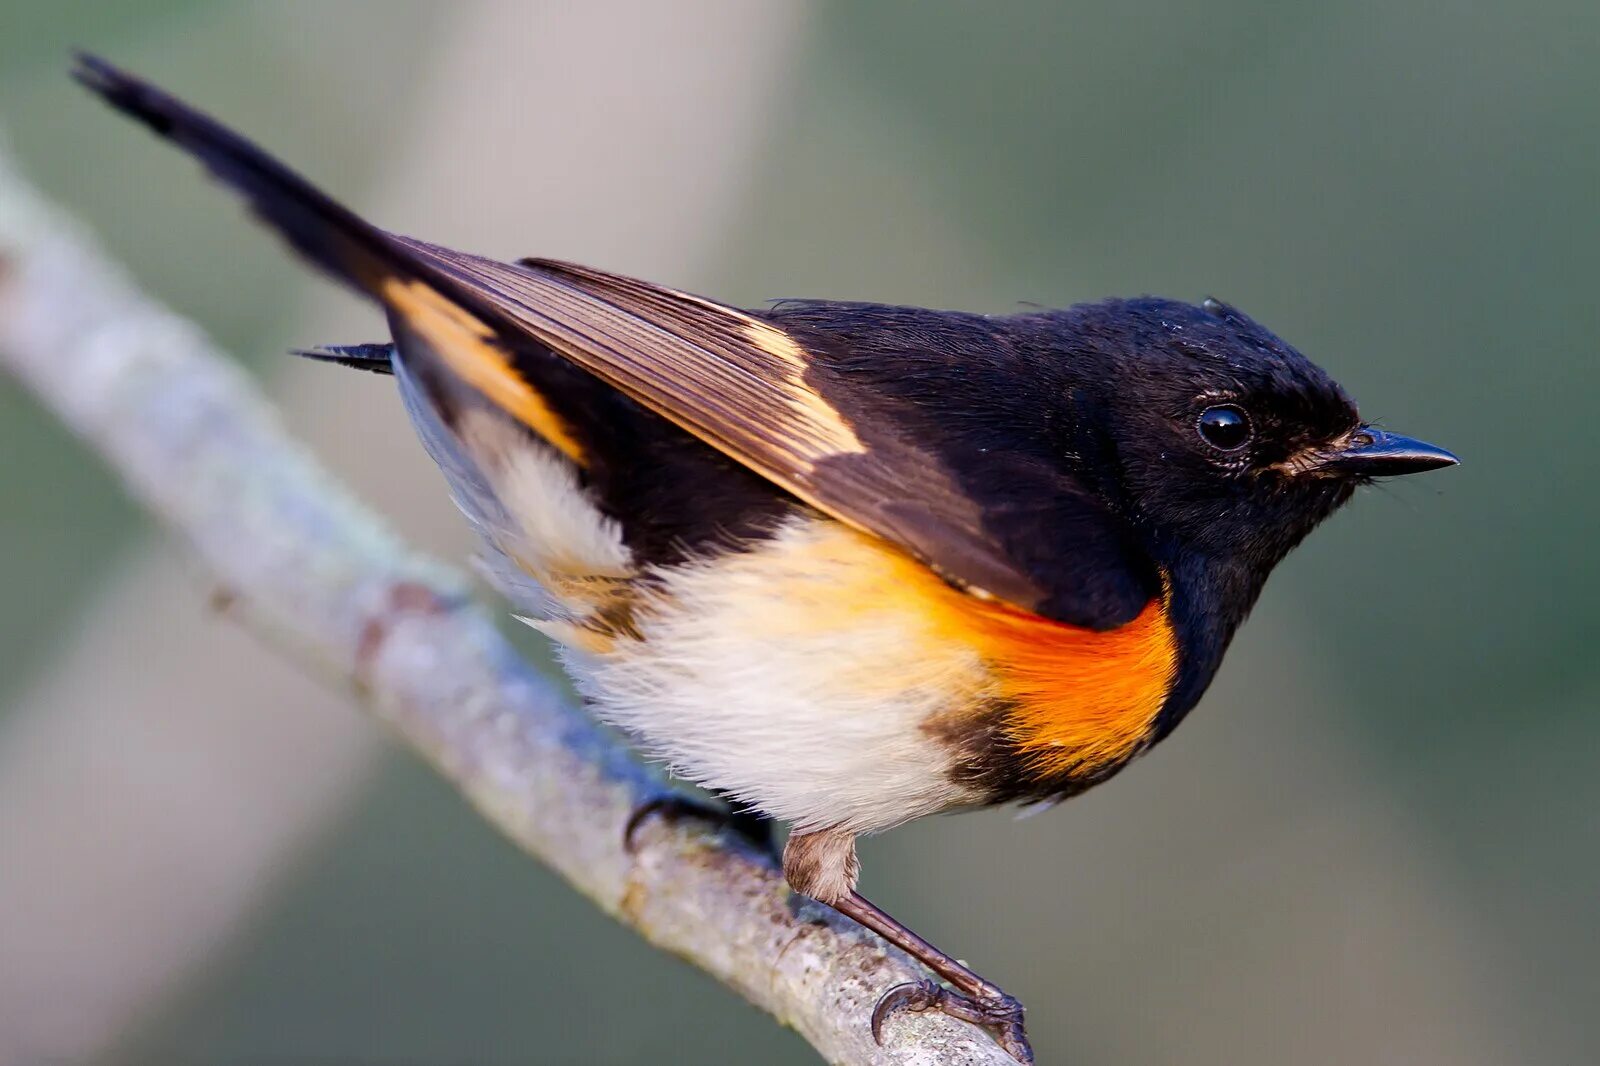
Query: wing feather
<point x="749" y="389"/>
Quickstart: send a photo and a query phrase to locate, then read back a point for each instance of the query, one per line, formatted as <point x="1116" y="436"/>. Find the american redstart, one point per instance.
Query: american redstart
<point x="846" y="564"/>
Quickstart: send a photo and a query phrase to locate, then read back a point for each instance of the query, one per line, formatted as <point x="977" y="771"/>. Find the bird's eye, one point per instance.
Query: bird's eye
<point x="1224" y="427"/>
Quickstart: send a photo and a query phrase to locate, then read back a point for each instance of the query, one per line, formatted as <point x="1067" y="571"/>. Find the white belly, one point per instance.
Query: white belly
<point x="798" y="678"/>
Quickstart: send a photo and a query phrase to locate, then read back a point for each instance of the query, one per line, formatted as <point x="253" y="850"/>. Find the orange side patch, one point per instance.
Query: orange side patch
<point x="1083" y="699"/>
<point x="467" y="346"/>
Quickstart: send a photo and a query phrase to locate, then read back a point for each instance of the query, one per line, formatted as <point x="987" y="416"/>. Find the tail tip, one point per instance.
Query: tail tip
<point x="120" y="89"/>
<point x="94" y="73"/>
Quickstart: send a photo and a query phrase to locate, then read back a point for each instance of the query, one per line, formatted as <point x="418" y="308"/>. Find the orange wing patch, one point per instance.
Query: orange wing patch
<point x="469" y="348"/>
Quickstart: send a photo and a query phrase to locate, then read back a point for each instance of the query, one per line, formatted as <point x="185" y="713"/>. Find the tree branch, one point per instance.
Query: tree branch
<point x="199" y="447"/>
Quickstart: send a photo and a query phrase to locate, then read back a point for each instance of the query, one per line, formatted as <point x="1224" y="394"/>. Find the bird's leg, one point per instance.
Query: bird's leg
<point x="823" y="866"/>
<point x="752" y="826"/>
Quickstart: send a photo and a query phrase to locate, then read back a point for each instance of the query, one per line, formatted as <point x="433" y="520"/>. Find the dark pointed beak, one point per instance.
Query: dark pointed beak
<point x="1373" y="453"/>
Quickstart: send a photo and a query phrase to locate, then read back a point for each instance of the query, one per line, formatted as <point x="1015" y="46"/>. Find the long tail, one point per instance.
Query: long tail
<point x="327" y="233"/>
<point x="330" y="235"/>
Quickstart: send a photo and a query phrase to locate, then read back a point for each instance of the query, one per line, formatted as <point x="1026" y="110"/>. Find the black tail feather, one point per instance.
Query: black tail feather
<point x="325" y="232"/>
<point x="374" y="357"/>
<point x="330" y="235"/>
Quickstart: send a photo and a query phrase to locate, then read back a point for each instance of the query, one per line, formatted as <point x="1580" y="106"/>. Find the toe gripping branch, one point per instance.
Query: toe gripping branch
<point x="753" y="828"/>
<point x="972" y="998"/>
<point x="1000" y="1016"/>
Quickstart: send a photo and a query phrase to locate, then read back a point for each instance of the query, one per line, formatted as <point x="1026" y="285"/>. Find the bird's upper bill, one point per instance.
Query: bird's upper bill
<point x="1369" y="452"/>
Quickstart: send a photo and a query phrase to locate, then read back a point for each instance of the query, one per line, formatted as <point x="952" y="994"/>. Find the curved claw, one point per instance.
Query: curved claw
<point x="915" y="996"/>
<point x="1000" y="1016"/>
<point x="665" y="804"/>
<point x="753" y="828"/>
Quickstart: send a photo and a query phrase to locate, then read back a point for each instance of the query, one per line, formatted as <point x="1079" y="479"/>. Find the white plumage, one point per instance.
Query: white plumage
<point x="725" y="683"/>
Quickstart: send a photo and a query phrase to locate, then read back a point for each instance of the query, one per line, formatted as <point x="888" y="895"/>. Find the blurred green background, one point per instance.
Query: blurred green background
<point x="1379" y="838"/>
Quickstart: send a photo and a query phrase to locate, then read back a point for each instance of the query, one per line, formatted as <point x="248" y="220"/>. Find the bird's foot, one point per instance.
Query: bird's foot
<point x="1000" y="1015"/>
<point x="755" y="829"/>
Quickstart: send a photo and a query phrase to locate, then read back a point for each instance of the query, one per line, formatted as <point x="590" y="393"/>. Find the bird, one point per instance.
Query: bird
<point x="845" y="564"/>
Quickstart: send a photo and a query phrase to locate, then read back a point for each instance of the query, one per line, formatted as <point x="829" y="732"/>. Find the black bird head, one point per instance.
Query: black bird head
<point x="1214" y="436"/>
